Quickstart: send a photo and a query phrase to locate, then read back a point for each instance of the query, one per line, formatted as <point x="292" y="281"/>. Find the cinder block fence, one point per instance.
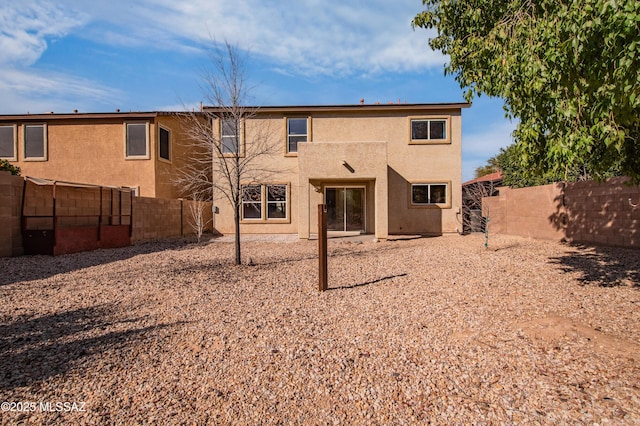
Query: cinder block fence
<point x="605" y="213"/>
<point x="70" y="218"/>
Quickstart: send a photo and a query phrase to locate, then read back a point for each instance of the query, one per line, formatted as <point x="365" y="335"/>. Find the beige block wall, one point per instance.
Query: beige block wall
<point x="587" y="212"/>
<point x="10" y="205"/>
<point x="155" y="218"/>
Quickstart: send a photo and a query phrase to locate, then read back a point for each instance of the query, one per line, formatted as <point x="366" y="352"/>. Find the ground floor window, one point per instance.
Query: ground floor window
<point x="429" y="193"/>
<point x="265" y="202"/>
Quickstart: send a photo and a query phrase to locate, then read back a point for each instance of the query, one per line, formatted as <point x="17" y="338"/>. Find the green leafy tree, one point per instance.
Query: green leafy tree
<point x="487" y="169"/>
<point x="6" y="166"/>
<point x="568" y="70"/>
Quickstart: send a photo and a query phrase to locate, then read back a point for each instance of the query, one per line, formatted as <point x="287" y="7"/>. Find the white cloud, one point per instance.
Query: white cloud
<point x="25" y="25"/>
<point x="303" y="36"/>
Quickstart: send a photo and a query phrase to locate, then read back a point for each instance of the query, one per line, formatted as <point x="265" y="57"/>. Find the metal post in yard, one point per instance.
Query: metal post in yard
<point x="322" y="246"/>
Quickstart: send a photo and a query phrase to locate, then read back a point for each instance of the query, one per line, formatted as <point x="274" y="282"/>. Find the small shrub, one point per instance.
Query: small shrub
<point x="6" y="166"/>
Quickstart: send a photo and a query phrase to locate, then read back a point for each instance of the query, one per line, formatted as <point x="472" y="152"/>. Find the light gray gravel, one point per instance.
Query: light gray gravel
<point x="414" y="331"/>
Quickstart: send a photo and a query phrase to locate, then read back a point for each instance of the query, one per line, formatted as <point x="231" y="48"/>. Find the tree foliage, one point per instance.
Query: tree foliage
<point x="487" y="169"/>
<point x="6" y="166"/>
<point x="568" y="70"/>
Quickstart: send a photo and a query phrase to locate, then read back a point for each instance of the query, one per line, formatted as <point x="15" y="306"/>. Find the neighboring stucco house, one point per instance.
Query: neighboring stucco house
<point x="129" y="149"/>
<point x="380" y="169"/>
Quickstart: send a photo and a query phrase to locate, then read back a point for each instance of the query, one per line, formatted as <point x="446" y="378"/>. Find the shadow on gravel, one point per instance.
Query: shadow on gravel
<point x="603" y="266"/>
<point x="33" y="349"/>
<point x="368" y="282"/>
<point x="27" y="268"/>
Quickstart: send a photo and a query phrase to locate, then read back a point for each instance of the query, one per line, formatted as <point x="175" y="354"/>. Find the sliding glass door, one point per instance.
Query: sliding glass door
<point x="345" y="209"/>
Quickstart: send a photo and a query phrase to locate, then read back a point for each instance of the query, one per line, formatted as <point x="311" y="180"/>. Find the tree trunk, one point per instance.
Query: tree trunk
<point x="236" y="218"/>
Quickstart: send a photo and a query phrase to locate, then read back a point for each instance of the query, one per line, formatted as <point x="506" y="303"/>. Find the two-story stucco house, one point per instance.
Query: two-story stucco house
<point x="129" y="149"/>
<point x="380" y="169"/>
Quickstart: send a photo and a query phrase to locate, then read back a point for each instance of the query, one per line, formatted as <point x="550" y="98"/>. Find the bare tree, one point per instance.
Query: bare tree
<point x="224" y="159"/>
<point x="198" y="218"/>
<point x="476" y="215"/>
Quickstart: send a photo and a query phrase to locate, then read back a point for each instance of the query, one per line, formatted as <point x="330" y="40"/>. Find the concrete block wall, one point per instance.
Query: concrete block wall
<point x="38" y="202"/>
<point x="77" y="206"/>
<point x="10" y="214"/>
<point x="602" y="213"/>
<point x="155" y="218"/>
<point x="585" y="212"/>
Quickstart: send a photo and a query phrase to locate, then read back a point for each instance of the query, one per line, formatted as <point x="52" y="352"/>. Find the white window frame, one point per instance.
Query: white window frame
<point x="238" y="138"/>
<point x="288" y="151"/>
<point x="160" y="130"/>
<point x="45" y="143"/>
<point x="264" y="204"/>
<point x="244" y="202"/>
<point x="447" y="196"/>
<point x="147" y="154"/>
<point x="14" y="129"/>
<point x="429" y="139"/>
<point x="268" y="202"/>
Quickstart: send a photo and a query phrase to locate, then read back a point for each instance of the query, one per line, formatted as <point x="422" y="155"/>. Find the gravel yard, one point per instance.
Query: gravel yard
<point x="427" y="330"/>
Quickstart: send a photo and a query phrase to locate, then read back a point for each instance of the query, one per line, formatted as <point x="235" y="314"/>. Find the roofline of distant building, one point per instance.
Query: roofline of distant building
<point x="258" y="109"/>
<point x="83" y="115"/>
<point x="491" y="177"/>
<point x="352" y="107"/>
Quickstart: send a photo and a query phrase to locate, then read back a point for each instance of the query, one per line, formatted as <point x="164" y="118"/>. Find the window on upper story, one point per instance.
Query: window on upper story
<point x="429" y="130"/>
<point x="35" y="142"/>
<point x="429" y="194"/>
<point x="8" y="146"/>
<point x="296" y="133"/>
<point x="230" y="136"/>
<point x="137" y="140"/>
<point x="164" y="143"/>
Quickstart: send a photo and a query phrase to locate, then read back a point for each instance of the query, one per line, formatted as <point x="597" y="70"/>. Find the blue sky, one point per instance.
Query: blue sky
<point x="147" y="55"/>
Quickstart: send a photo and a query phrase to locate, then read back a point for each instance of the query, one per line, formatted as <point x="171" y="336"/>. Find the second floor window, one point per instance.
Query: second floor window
<point x="229" y="136"/>
<point x="428" y="130"/>
<point x="137" y="140"/>
<point x="35" y="142"/>
<point x="164" y="144"/>
<point x="296" y="133"/>
<point x="8" y="143"/>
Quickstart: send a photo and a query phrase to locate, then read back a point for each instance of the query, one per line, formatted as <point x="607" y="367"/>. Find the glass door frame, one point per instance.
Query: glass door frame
<point x="364" y="205"/>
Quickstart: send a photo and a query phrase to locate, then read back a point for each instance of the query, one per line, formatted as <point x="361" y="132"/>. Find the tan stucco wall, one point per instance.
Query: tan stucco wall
<point x="322" y="164"/>
<point x="91" y="151"/>
<point x="408" y="163"/>
<point x="377" y="145"/>
<point x="273" y="167"/>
